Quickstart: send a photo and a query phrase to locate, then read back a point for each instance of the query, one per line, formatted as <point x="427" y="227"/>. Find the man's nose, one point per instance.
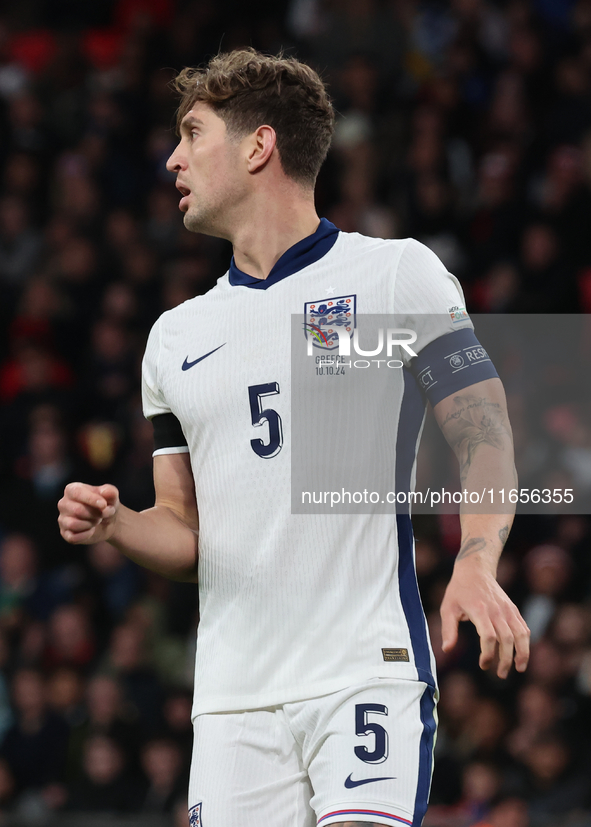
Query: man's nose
<point x="176" y="162"/>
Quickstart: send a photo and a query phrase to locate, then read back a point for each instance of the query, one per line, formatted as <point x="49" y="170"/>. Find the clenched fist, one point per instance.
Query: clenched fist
<point x="87" y="513"/>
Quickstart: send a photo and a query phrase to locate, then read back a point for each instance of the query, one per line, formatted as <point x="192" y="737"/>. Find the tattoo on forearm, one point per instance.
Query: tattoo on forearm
<point x="476" y="421"/>
<point x="503" y="534"/>
<point x="471" y="545"/>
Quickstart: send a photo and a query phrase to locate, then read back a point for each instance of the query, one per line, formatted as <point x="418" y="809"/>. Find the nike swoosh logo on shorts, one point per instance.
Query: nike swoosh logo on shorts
<point x="349" y="783"/>
<point x="187" y="364"/>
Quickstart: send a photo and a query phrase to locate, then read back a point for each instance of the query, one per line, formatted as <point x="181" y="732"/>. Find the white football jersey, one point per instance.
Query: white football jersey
<point x="292" y="606"/>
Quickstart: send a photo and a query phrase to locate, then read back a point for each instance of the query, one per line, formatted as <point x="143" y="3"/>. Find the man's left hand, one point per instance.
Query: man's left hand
<point x="474" y="594"/>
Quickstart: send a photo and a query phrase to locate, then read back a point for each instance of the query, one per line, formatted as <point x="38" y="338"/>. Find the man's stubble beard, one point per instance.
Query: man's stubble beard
<point x="212" y="220"/>
<point x="215" y="213"/>
<point x="199" y="221"/>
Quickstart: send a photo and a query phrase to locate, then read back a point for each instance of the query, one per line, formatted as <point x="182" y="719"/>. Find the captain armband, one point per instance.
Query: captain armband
<point x="450" y="364"/>
<point x="168" y="435"/>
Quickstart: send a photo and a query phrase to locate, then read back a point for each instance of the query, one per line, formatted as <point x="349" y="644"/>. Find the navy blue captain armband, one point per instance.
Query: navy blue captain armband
<point x="167" y="432"/>
<point x="450" y="364"/>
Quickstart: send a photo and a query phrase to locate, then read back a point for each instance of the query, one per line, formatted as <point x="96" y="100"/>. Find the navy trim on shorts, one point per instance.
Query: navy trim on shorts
<point x="425" y="755"/>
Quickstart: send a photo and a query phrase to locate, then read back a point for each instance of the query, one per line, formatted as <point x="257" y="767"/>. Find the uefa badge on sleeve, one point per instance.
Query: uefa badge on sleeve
<point x="324" y="319"/>
<point x="195" y="816"/>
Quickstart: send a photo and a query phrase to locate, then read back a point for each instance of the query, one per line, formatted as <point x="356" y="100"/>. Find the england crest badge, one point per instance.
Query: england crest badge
<point x="324" y="318"/>
<point x="195" y="816"/>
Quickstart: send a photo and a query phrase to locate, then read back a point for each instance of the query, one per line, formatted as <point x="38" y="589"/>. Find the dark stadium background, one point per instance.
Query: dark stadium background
<point x="466" y="124"/>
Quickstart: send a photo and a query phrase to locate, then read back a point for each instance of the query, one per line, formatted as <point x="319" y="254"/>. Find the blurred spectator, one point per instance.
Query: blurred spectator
<point x="41" y="471"/>
<point x="70" y="639"/>
<point x="6" y="717"/>
<point x="38" y="313"/>
<point x="538" y="714"/>
<point x="24" y="594"/>
<point x="459" y="698"/>
<point x="570" y="117"/>
<point x="18" y="578"/>
<point x="485" y="731"/>
<point x="181" y="813"/>
<point x="572" y="632"/>
<point x="509" y="812"/>
<point x="480" y="785"/>
<point x="121" y="233"/>
<point x="177" y="722"/>
<point x="127" y="659"/>
<point x="33" y="372"/>
<point x="75" y="267"/>
<point x="104" y="786"/>
<point x="135" y="478"/>
<point x="25" y="115"/>
<point x="22" y="176"/>
<point x="35" y="745"/>
<point x="119" y="303"/>
<point x="7" y="787"/>
<point x="554" y="784"/>
<point x="162" y="764"/>
<point x="548" y="284"/>
<point x="569" y="428"/>
<point x="46" y="464"/>
<point x="499" y="289"/>
<point x="493" y="226"/>
<point x="547" y="570"/>
<point x="163" y="221"/>
<point x="19" y="243"/>
<point x="564" y="198"/>
<point x="117" y="579"/>
<point x="110" y="377"/>
<point x="65" y="692"/>
<point x="108" y="713"/>
<point x="547" y="665"/>
<point x="77" y="198"/>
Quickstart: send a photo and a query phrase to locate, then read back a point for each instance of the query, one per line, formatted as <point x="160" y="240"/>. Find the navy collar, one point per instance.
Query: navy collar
<point x="305" y="252"/>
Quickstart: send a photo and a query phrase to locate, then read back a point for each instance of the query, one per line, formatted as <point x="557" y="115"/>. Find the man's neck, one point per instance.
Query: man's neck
<point x="258" y="245"/>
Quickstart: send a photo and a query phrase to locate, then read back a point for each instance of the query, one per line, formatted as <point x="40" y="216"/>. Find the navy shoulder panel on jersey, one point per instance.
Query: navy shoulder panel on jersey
<point x="305" y="252"/>
<point x="450" y="364"/>
<point x="167" y="432"/>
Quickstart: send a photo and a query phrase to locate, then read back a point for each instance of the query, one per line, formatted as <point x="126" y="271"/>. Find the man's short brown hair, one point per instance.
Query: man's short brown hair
<point x="248" y="89"/>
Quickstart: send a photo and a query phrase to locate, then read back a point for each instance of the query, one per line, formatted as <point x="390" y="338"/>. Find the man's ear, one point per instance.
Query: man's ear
<point x="260" y="146"/>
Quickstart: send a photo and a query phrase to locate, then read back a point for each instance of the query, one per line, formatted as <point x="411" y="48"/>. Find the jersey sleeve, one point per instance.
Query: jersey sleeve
<point x="429" y="301"/>
<point x="168" y="433"/>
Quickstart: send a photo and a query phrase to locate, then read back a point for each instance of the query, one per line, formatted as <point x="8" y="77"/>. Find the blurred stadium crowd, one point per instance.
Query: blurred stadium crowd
<point x="466" y="124"/>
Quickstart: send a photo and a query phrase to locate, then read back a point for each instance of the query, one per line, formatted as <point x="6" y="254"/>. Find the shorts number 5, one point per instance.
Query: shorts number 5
<point x="364" y="727"/>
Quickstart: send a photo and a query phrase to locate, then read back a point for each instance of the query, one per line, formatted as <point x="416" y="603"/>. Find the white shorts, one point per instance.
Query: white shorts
<point x="362" y="754"/>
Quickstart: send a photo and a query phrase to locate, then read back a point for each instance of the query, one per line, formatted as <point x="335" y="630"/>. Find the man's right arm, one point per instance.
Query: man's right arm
<point x="162" y="539"/>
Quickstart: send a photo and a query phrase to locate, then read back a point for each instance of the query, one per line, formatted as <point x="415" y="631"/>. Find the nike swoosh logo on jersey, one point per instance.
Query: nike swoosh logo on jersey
<point x="187" y="364"/>
<point x="349" y="783"/>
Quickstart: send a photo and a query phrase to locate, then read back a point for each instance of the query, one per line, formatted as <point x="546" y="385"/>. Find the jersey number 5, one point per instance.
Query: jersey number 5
<point x="364" y="727"/>
<point x="260" y="415"/>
